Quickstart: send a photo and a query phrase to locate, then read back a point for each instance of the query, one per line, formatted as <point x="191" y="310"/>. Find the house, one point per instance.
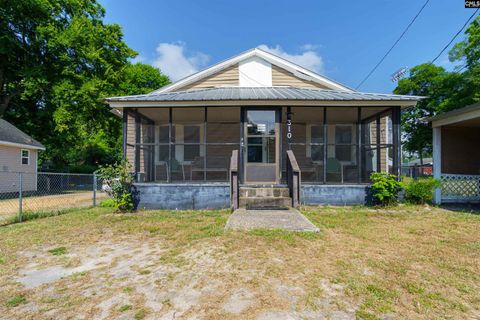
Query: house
<point x="456" y="154"/>
<point x="18" y="154"/>
<point x="285" y="122"/>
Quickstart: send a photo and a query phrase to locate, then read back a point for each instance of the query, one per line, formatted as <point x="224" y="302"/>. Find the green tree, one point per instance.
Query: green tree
<point x="58" y="60"/>
<point x="443" y="91"/>
<point x="141" y="78"/>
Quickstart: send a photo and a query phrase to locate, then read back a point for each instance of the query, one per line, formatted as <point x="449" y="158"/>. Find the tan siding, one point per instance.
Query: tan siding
<point x="225" y="77"/>
<point x="10" y="161"/>
<point x="282" y="77"/>
<point x="131" y="140"/>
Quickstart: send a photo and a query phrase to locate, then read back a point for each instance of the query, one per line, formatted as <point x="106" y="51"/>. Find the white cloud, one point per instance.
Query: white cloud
<point x="173" y="61"/>
<point x="307" y="58"/>
<point x="139" y="59"/>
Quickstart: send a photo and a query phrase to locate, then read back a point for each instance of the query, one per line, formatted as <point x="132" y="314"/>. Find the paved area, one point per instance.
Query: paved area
<point x="291" y="220"/>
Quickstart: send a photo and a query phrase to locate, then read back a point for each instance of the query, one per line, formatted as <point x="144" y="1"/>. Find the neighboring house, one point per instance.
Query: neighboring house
<point x="456" y="154"/>
<point x="18" y="154"/>
<point x="180" y="138"/>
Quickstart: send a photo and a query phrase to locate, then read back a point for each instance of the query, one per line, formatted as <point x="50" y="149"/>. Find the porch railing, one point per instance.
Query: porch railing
<point x="234" y="186"/>
<point x="293" y="178"/>
<point x="460" y="188"/>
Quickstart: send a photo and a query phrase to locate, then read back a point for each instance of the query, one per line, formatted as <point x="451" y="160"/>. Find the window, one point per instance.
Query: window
<point x="343" y="141"/>
<point x="25" y="157"/>
<point x="191" y="135"/>
<point x="316" y="136"/>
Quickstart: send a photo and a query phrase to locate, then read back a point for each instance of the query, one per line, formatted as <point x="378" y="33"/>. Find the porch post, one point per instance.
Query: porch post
<point x="204" y="144"/>
<point x="124" y="132"/>
<point x="170" y="145"/>
<point x="397" y="156"/>
<point x="359" y="144"/>
<point x="241" y="166"/>
<point x="325" y="145"/>
<point x="437" y="161"/>
<point x="137" y="144"/>
<point x="379" y="153"/>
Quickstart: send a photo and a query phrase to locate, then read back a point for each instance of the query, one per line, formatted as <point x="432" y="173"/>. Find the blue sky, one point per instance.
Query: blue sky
<point x="340" y="39"/>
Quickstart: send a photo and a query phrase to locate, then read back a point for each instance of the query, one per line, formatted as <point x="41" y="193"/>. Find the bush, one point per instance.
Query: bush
<point x="385" y="188"/>
<point x="420" y="191"/>
<point x="108" y="203"/>
<point x="118" y="183"/>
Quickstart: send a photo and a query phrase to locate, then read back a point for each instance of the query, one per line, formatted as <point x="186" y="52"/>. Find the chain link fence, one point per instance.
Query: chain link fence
<point x="24" y="194"/>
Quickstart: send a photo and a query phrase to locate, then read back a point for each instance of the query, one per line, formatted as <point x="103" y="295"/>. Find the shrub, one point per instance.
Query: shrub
<point x="420" y="191"/>
<point x="118" y="183"/>
<point x="108" y="203"/>
<point x="385" y="188"/>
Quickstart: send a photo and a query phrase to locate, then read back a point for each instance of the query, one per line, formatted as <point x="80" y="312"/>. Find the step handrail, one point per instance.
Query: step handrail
<point x="234" y="184"/>
<point x="293" y="178"/>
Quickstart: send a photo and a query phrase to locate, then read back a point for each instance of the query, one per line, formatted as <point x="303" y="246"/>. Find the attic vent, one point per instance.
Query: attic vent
<point x="302" y="75"/>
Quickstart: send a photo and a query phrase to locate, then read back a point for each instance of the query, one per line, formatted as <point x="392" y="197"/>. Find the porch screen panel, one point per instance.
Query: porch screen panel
<point x="308" y="140"/>
<point x="162" y="141"/>
<point x="187" y="148"/>
<point x="377" y="141"/>
<point x="222" y="137"/>
<point x="342" y="145"/>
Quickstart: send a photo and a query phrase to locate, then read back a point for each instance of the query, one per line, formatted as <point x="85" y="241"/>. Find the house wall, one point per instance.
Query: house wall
<point x="282" y="77"/>
<point x="231" y="75"/>
<point x="228" y="76"/>
<point x="11" y="164"/>
<point x="460" y="150"/>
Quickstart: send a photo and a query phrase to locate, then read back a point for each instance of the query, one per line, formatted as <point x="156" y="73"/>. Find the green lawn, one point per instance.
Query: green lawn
<point x="405" y="262"/>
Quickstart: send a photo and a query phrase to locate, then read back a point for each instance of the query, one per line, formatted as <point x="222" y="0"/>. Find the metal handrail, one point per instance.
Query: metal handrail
<point x="293" y="178"/>
<point x="234" y="185"/>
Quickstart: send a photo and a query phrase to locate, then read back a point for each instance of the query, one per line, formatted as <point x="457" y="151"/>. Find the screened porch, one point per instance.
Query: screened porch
<point x="332" y="145"/>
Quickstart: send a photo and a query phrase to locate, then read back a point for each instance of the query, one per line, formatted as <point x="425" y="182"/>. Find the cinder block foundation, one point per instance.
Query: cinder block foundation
<point x="333" y="194"/>
<point x="183" y="196"/>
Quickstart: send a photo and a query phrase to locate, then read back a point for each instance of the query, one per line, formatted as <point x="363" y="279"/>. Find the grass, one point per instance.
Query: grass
<point x="409" y="261"/>
<point x="58" y="251"/>
<point x="17" y="300"/>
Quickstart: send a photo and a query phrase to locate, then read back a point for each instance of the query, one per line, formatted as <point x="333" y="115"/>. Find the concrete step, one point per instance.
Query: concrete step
<point x="265" y="202"/>
<point x="267" y="192"/>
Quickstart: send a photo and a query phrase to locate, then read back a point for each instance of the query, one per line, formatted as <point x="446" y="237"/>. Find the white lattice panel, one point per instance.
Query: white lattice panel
<point x="460" y="187"/>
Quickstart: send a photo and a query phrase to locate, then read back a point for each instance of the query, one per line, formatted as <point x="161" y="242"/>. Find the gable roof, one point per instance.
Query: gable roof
<point x="297" y="70"/>
<point x="12" y="136"/>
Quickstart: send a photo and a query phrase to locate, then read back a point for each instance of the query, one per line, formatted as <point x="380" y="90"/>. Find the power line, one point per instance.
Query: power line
<point x="456" y="35"/>
<point x="393" y="46"/>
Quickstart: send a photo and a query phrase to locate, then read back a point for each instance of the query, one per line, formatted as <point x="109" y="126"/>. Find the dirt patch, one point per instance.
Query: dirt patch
<point x="407" y="263"/>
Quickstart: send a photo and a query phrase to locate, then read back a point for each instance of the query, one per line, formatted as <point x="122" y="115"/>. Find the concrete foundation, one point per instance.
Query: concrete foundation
<point x="217" y="195"/>
<point x="183" y="196"/>
<point x="333" y="194"/>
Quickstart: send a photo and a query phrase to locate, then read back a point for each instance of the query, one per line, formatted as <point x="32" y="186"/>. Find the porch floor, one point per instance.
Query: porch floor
<point x="288" y="219"/>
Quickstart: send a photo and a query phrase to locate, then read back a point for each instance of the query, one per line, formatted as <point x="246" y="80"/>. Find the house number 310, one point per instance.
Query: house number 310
<point x="289" y="129"/>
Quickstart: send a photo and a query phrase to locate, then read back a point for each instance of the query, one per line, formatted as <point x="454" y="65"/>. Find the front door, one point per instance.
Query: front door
<point x="261" y="156"/>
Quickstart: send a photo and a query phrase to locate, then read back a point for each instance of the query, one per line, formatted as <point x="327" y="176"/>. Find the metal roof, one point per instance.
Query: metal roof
<point x="453" y="113"/>
<point x="263" y="93"/>
<point x="12" y="135"/>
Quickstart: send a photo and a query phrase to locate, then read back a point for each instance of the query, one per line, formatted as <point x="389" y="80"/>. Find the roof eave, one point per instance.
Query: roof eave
<point x="21" y="145"/>
<point x="185" y="103"/>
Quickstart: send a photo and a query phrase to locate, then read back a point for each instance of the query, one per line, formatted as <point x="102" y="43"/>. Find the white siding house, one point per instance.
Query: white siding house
<point x="18" y="154"/>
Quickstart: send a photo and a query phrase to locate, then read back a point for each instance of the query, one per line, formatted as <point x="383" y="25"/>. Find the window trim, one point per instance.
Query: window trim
<point x="23" y="157"/>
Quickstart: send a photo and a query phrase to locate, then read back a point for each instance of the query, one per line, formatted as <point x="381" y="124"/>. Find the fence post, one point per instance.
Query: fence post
<point x="94" y="189"/>
<point x="20" y="196"/>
